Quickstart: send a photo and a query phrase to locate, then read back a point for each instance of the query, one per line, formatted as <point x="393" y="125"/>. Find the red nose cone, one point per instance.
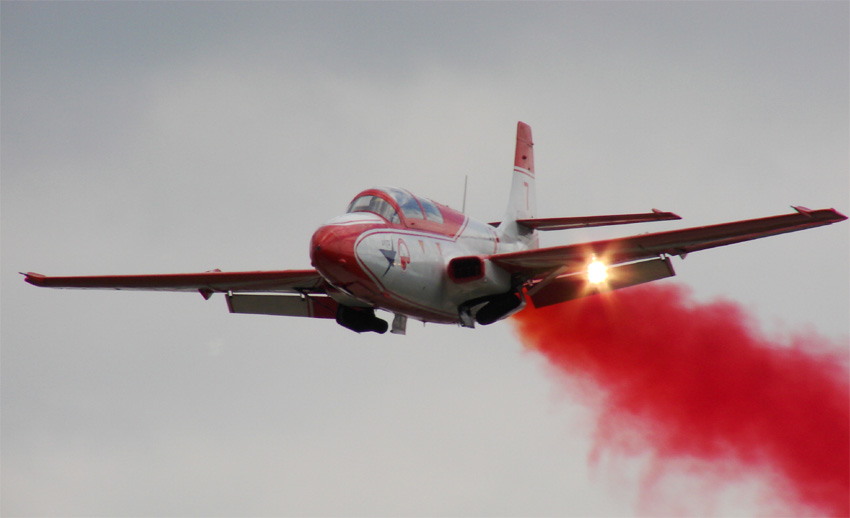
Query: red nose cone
<point x="332" y="253"/>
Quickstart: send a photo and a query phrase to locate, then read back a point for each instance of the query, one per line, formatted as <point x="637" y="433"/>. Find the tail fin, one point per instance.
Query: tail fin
<point x="523" y="199"/>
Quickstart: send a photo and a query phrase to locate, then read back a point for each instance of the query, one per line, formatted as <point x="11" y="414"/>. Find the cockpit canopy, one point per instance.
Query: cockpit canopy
<point x="376" y="204"/>
<point x="384" y="200"/>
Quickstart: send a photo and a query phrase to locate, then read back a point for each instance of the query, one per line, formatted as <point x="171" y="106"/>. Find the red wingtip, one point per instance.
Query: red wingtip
<point x="831" y="214"/>
<point x="36" y="279"/>
<point x="666" y="215"/>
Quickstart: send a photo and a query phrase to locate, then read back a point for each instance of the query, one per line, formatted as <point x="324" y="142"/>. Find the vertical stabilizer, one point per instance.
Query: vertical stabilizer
<point x="523" y="199"/>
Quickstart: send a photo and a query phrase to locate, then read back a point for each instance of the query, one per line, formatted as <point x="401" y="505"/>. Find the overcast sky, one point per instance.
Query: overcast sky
<point x="165" y="137"/>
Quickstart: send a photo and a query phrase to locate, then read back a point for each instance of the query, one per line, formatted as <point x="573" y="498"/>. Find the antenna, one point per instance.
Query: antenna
<point x="465" y="179"/>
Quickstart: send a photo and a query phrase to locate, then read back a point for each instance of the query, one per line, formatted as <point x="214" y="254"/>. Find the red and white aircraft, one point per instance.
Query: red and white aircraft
<point x="401" y="253"/>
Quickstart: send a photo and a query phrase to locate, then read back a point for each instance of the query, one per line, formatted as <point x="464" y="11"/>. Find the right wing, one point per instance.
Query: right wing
<point x="528" y="264"/>
<point x="554" y="275"/>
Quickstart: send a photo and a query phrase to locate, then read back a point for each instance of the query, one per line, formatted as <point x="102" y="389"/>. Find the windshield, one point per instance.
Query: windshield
<point x="376" y="204"/>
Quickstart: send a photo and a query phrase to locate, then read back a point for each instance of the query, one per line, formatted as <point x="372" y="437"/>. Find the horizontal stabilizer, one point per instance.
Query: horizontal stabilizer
<point x="596" y="221"/>
<point x="283" y="305"/>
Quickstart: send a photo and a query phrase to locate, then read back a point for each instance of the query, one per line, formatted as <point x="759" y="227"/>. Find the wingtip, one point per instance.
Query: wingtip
<point x="830" y="214"/>
<point x="36" y="279"/>
<point x="661" y="214"/>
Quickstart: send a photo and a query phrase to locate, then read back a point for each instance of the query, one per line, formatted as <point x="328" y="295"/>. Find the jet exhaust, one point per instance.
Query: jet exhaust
<point x="697" y="384"/>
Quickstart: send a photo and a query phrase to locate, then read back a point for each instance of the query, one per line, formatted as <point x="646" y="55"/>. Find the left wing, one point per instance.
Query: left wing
<point x="206" y="283"/>
<point x="549" y="265"/>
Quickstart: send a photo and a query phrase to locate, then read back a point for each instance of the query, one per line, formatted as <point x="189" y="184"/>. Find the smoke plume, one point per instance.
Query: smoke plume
<point x="687" y="382"/>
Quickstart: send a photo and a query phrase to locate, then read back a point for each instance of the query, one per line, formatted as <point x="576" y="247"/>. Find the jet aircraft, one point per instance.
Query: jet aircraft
<point x="414" y="258"/>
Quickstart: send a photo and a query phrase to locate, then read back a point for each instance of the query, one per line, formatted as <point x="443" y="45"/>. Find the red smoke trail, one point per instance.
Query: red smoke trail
<point x="696" y="381"/>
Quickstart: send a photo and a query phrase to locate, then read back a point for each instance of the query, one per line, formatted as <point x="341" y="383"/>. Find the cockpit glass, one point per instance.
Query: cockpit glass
<point x="360" y="204"/>
<point x="376" y="204"/>
<point x="408" y="204"/>
<point x="431" y="211"/>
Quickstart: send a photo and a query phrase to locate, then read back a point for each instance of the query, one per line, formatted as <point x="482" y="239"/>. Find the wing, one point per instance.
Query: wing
<point x="563" y="260"/>
<point x="207" y="283"/>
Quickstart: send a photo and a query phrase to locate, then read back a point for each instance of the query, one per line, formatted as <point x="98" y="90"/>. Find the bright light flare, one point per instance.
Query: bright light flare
<point x="597" y="272"/>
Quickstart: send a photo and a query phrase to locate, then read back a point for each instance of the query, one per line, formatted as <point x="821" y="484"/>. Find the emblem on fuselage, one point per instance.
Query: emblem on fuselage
<point x="403" y="254"/>
<point x="389" y="252"/>
<point x="390" y="256"/>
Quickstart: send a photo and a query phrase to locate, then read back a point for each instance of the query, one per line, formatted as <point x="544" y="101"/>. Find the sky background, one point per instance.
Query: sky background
<point x="176" y="137"/>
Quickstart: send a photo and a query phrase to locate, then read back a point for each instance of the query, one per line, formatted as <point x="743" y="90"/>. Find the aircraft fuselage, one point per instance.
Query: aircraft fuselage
<point x="403" y="265"/>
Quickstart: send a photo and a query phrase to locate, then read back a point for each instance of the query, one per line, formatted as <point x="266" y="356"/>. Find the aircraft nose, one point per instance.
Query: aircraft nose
<point x="332" y="252"/>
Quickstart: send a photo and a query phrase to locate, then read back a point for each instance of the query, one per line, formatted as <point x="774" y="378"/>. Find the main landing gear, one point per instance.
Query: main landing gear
<point x="360" y="320"/>
<point x="490" y="309"/>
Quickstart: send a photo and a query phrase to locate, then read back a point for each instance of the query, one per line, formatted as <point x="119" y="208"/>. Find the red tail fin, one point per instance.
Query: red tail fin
<point x="524" y="157"/>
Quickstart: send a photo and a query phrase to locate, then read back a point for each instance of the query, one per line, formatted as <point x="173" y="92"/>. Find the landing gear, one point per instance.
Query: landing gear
<point x="499" y="307"/>
<point x="490" y="309"/>
<point x="360" y="320"/>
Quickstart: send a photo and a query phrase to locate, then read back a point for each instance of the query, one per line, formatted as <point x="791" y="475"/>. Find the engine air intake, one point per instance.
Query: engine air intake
<point x="466" y="269"/>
